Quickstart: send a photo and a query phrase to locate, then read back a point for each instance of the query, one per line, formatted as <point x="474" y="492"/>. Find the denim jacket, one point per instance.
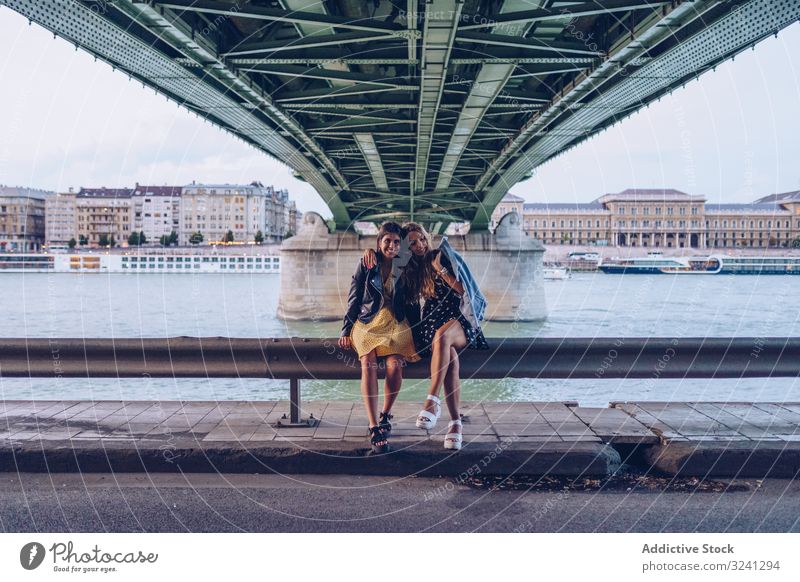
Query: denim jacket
<point x="473" y="303"/>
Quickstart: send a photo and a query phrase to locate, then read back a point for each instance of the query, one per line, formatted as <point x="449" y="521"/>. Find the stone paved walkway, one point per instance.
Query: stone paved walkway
<point x="623" y="422"/>
<point x="539" y="438"/>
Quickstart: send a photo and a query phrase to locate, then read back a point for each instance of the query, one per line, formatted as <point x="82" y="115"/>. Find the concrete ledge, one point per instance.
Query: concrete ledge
<point x="726" y="459"/>
<point x="348" y="458"/>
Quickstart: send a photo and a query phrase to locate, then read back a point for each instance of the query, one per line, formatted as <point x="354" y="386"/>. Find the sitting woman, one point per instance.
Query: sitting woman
<point x="452" y="309"/>
<point x="375" y="326"/>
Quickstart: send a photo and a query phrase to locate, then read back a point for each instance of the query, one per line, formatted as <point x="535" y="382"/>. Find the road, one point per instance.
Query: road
<point x="303" y="503"/>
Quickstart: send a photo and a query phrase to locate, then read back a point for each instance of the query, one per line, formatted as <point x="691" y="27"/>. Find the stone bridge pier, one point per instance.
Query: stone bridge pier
<point x="317" y="266"/>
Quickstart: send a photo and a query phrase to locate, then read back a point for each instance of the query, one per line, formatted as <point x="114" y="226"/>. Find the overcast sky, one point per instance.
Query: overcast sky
<point x="68" y="121"/>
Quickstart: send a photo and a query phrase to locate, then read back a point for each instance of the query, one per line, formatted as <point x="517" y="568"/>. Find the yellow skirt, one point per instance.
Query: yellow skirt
<point x="385" y="335"/>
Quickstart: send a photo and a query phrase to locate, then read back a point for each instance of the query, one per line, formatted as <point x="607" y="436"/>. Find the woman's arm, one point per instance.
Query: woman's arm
<point x="442" y="266"/>
<point x="354" y="300"/>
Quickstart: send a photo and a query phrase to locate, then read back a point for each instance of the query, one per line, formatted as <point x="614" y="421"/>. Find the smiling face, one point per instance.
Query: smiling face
<point x="417" y="243"/>
<point x="389" y="245"/>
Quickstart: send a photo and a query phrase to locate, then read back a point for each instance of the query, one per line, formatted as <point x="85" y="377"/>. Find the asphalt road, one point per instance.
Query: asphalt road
<point x="304" y="503"/>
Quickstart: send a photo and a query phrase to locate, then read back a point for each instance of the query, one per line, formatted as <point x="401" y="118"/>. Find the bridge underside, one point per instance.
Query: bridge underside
<point x="405" y="109"/>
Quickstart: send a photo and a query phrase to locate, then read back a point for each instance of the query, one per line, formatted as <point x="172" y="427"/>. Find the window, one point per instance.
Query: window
<point x="645" y="211"/>
<point x="670" y="210"/>
<point x="682" y="211"/>
<point x="658" y="210"/>
<point x="694" y="211"/>
<point x="622" y="210"/>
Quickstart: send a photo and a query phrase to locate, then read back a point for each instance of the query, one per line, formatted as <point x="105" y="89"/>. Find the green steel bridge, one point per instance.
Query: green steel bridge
<point x="412" y="109"/>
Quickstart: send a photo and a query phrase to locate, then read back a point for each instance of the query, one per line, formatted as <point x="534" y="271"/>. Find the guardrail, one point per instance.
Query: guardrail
<point x="296" y="359"/>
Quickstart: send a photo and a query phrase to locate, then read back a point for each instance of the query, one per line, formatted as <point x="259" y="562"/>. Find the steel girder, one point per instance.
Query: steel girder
<point x="428" y="109"/>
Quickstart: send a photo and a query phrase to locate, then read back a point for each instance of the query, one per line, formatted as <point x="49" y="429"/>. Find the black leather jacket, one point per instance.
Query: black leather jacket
<point x="366" y="297"/>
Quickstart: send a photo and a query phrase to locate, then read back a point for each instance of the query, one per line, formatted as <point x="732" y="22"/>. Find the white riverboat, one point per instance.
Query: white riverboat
<point x="653" y="264"/>
<point x="705" y="265"/>
<point x="138" y="263"/>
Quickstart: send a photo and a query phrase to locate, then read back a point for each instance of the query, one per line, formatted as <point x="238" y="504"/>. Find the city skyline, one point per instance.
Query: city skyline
<point x="73" y="122"/>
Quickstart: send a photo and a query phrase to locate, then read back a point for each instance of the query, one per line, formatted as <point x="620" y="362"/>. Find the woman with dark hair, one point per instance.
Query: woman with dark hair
<point x="448" y="321"/>
<point x="375" y="326"/>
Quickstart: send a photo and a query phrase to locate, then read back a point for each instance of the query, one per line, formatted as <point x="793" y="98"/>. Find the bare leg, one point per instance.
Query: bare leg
<point x="450" y="335"/>
<point x="369" y="387"/>
<point x="393" y="382"/>
<point x="452" y="389"/>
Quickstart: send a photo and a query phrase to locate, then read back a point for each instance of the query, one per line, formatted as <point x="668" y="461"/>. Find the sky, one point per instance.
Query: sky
<point x="68" y="121"/>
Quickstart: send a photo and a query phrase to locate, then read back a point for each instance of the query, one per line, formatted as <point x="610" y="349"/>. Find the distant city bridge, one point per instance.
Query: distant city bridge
<point x="425" y="110"/>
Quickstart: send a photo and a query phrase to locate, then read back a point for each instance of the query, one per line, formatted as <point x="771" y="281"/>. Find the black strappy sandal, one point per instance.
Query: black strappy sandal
<point x="384" y="423"/>
<point x="378" y="440"/>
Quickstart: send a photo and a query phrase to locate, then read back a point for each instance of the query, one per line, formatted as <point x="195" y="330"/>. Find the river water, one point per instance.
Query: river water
<point x="589" y="304"/>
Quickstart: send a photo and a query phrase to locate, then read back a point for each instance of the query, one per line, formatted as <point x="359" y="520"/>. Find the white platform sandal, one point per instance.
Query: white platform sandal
<point x="427" y="420"/>
<point x="453" y="440"/>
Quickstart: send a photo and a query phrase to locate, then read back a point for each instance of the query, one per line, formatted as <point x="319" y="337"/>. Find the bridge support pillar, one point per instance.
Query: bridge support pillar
<point x="317" y="266"/>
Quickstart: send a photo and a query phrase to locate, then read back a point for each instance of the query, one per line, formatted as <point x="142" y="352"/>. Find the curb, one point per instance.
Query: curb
<point x="726" y="459"/>
<point x="422" y="459"/>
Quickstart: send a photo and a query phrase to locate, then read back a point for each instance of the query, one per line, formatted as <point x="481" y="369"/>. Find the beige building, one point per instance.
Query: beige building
<point x="22" y="224"/>
<point x="214" y="209"/>
<point x="61" y="218"/>
<point x="104" y="213"/>
<point x="662" y="218"/>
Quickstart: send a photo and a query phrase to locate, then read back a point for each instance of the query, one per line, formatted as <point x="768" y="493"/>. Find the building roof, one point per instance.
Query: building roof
<point x="24" y="192"/>
<point x="141" y="190"/>
<point x="563" y="206"/>
<point x="511" y="198"/>
<point x="793" y="196"/>
<point x="746" y="207"/>
<point x="634" y="194"/>
<point x="105" y="192"/>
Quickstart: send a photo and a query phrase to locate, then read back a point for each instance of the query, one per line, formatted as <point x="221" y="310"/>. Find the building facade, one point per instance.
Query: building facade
<point x="245" y="210"/>
<point x="156" y="211"/>
<point x="662" y="218"/>
<point x="60" y="218"/>
<point x="104" y="215"/>
<point x="22" y="222"/>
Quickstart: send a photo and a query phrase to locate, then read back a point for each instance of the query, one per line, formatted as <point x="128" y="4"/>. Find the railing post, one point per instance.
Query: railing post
<point x="294" y="401"/>
<point x="295" y="408"/>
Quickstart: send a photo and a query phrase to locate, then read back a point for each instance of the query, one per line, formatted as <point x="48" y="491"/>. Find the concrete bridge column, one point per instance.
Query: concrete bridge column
<point x="317" y="266"/>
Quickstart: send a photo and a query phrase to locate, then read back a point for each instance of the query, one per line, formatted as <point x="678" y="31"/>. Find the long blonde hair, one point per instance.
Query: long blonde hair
<point x="418" y="273"/>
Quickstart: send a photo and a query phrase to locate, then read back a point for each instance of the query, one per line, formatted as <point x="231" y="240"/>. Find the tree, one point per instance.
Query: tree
<point x="196" y="238"/>
<point x="142" y="238"/>
<point x="83" y="240"/>
<point x="112" y="241"/>
<point x="289" y="234"/>
<point x="259" y="237"/>
<point x="796" y="243"/>
<point x="228" y="238"/>
<point x="72" y="242"/>
<point x="133" y="239"/>
<point x="103" y="240"/>
<point x="173" y="238"/>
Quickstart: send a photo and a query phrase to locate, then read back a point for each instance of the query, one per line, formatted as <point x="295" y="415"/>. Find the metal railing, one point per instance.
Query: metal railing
<point x="297" y="359"/>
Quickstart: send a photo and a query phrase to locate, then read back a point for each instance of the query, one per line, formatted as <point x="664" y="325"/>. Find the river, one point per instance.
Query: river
<point x="589" y="304"/>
